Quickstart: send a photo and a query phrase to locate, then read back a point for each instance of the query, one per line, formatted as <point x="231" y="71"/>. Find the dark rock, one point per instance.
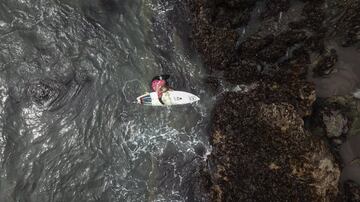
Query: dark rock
<point x="325" y="64"/>
<point x="291" y="37"/>
<point x="273" y="8"/>
<point x="245" y="71"/>
<point x="253" y="44"/>
<point x="230" y="17"/>
<point x="352" y="192"/>
<point x="349" y="23"/>
<point x="213" y="84"/>
<point x="218" y="45"/>
<point x="297" y="63"/>
<point x="281" y="44"/>
<point x="267" y="138"/>
<point x="315" y="43"/>
<point x="314" y="14"/>
<point x="273" y="52"/>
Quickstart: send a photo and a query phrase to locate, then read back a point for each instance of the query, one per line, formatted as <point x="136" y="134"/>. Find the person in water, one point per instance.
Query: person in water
<point x="160" y="85"/>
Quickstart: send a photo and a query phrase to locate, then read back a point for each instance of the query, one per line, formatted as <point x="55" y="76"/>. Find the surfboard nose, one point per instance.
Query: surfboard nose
<point x="194" y="98"/>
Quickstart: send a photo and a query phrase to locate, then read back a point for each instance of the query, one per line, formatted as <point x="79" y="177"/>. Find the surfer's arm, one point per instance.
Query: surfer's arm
<point x="160" y="100"/>
<point x="159" y="95"/>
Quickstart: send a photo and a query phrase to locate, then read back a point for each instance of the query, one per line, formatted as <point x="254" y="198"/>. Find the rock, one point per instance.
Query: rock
<point x="267" y="138"/>
<point x="325" y="64"/>
<point x="253" y="44"/>
<point x="213" y="84"/>
<point x="338" y="110"/>
<point x="335" y="116"/>
<point x="261" y="150"/>
<point x="352" y="192"/>
<point x="215" y="41"/>
<point x="337" y="141"/>
<point x="273" y="52"/>
<point x="335" y="124"/>
<point x="314" y="14"/>
<point x="297" y="63"/>
<point x="281" y="116"/>
<point x="350" y="24"/>
<point x="273" y="8"/>
<point x="315" y="43"/>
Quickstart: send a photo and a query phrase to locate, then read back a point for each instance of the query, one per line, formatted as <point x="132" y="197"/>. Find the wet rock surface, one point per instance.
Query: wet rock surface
<point x="261" y="147"/>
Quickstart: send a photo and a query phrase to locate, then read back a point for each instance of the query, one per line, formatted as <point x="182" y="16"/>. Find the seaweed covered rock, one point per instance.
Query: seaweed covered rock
<point x="353" y="192"/>
<point x="216" y="43"/>
<point x="343" y="21"/>
<point x="262" y="152"/>
<point x="274" y="7"/>
<point x="261" y="149"/>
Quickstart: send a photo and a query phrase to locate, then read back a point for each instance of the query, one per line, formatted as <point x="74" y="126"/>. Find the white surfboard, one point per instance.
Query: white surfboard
<point x="169" y="98"/>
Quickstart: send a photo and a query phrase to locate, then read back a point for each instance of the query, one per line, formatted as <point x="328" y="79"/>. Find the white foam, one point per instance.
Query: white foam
<point x="2" y="23"/>
<point x="356" y="94"/>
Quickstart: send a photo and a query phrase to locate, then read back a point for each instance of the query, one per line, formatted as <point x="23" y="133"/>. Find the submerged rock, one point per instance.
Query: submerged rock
<point x="50" y="94"/>
<point x="44" y="92"/>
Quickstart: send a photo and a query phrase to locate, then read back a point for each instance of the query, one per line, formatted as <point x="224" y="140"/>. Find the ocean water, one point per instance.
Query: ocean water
<point x="70" y="71"/>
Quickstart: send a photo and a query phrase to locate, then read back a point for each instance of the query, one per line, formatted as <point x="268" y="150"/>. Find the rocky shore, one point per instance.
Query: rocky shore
<point x="273" y="139"/>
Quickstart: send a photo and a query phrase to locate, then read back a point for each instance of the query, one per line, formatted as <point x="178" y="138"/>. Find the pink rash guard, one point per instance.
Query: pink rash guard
<point x="156" y="86"/>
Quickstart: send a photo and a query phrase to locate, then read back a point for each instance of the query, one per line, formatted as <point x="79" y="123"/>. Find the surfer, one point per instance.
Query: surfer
<point x="160" y="85"/>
